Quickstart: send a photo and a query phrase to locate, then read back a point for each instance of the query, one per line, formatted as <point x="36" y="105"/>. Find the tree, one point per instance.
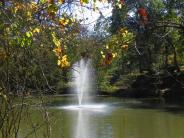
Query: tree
<point x="155" y="20"/>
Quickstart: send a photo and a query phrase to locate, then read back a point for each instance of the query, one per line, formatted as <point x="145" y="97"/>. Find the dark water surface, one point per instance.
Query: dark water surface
<point x="108" y="118"/>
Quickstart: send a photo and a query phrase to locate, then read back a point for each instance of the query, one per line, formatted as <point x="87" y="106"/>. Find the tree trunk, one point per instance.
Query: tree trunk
<point x="166" y="56"/>
<point x="145" y="53"/>
<point x="175" y="61"/>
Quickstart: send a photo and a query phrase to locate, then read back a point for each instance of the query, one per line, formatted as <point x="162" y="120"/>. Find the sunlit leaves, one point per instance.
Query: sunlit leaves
<point x="63" y="21"/>
<point x="25" y="10"/>
<point x="56" y="40"/>
<point x="114" y="46"/>
<point x="52" y="9"/>
<point x="102" y="54"/>
<point x="84" y="1"/>
<point x="62" y="59"/>
<point x="29" y="34"/>
<point x="124" y="36"/>
<point x="119" y="3"/>
<point x="63" y="62"/>
<point x="36" y="30"/>
<point x="18" y="6"/>
<point x="51" y="1"/>
<point x="61" y="1"/>
<point x="114" y="54"/>
<point x="43" y="1"/>
<point x="124" y="46"/>
<point x="107" y="57"/>
<point x="30" y="17"/>
<point x="107" y="60"/>
<point x="26" y="39"/>
<point x="58" y="51"/>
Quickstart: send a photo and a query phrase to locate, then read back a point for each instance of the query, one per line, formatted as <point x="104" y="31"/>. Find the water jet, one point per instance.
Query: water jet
<point x="83" y="80"/>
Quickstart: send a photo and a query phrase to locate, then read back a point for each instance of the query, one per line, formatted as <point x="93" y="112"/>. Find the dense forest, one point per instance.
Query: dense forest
<point x="138" y="51"/>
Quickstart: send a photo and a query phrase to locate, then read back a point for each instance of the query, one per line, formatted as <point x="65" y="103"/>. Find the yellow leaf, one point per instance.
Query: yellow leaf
<point x="36" y="30"/>
<point x="63" y="21"/>
<point x="59" y="62"/>
<point x="73" y="20"/>
<point x="62" y="1"/>
<point x="114" y="55"/>
<point x="119" y="6"/>
<point x="84" y="1"/>
<point x="29" y="34"/>
<point x="29" y="15"/>
<point x="124" y="46"/>
<point x="55" y="40"/>
<point x="33" y="4"/>
<point x="64" y="62"/>
<point x="58" y="51"/>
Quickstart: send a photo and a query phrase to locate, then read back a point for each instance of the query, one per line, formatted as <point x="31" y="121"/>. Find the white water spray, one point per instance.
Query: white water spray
<point x="83" y="79"/>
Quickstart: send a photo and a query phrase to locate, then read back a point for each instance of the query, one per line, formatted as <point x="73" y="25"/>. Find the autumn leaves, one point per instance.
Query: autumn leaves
<point x="115" y="45"/>
<point x="109" y="51"/>
<point x="59" y="52"/>
<point x="143" y="14"/>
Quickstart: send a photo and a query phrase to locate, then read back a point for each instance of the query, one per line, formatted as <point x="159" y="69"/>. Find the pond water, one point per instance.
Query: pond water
<point x="107" y="118"/>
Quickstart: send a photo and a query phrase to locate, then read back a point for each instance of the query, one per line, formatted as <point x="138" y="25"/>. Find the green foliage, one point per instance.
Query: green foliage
<point x="26" y="51"/>
<point x="143" y="47"/>
<point x="44" y="41"/>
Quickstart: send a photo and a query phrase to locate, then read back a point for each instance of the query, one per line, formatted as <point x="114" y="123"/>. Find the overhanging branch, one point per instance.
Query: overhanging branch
<point x="168" y="24"/>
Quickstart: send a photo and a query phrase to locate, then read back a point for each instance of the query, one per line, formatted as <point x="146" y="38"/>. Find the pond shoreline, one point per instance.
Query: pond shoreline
<point x="169" y="87"/>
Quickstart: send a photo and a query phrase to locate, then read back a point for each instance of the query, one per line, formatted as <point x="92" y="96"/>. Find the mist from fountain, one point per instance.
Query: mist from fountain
<point x="83" y="78"/>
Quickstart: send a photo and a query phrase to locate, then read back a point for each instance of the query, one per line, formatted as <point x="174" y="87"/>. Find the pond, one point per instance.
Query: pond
<point x="107" y="118"/>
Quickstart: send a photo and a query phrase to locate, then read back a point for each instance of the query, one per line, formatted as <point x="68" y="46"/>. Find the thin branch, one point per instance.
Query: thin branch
<point x="137" y="49"/>
<point x="46" y="79"/>
<point x="168" y="24"/>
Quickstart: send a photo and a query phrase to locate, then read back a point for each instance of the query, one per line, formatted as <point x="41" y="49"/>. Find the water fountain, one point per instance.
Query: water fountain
<point x="84" y="86"/>
<point x="83" y="81"/>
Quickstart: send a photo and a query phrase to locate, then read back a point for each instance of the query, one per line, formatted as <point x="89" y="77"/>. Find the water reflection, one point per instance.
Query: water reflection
<point x="109" y="120"/>
<point x="85" y="126"/>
